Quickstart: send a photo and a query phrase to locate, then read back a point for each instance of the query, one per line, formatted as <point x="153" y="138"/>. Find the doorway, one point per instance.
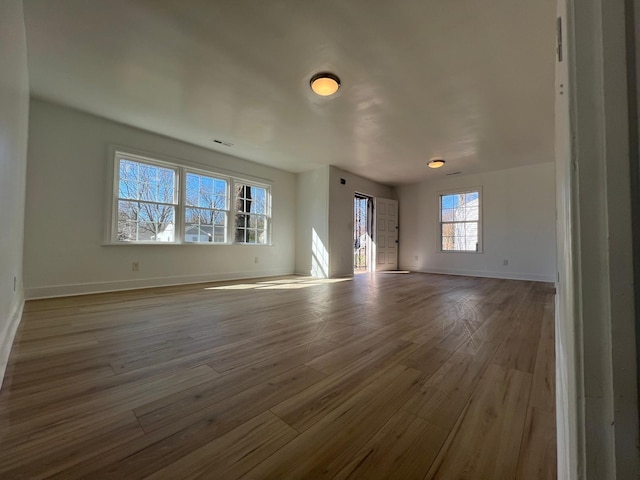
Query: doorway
<point x="362" y="233"/>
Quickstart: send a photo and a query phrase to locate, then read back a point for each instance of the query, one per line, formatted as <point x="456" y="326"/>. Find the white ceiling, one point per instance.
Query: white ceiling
<point x="469" y="80"/>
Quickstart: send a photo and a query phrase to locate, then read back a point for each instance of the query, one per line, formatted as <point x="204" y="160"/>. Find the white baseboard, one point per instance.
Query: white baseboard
<point x="32" y="293"/>
<point x="482" y="273"/>
<point x="8" y="331"/>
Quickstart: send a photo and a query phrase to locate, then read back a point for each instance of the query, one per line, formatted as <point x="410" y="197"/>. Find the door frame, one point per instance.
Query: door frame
<point x="597" y="394"/>
<point x="376" y="232"/>
<point x="370" y="230"/>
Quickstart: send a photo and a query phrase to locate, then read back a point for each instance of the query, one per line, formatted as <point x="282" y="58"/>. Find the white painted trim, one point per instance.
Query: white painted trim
<point x="53" y="291"/>
<point x="569" y="407"/>
<point x="598" y="426"/>
<point x="8" y="334"/>
<point x="483" y="273"/>
<point x="456" y="191"/>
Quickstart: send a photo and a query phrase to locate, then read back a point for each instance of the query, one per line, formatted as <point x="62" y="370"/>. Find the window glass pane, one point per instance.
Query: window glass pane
<point x="192" y="189"/>
<point x="251" y="206"/>
<point x="447" y="243"/>
<point x="199" y="225"/>
<point x="461" y="236"/>
<point x="259" y="200"/>
<point x="128" y="170"/>
<point x="147" y="191"/>
<point x="206" y="192"/>
<point x="448" y="201"/>
<point x="220" y="192"/>
<point x="198" y="233"/>
<point x="473" y="213"/>
<point x="251" y="199"/>
<point x="128" y="189"/>
<point x="166" y="185"/>
<point x="459" y="217"/>
<point x="220" y="218"/>
<point x="447" y="215"/>
<point x="220" y="234"/>
<point x="139" y="181"/>
<point x="191" y="215"/>
<point x="147" y="172"/>
<point x="471" y="197"/>
<point x="470" y="244"/>
<point x="448" y="229"/>
<point x="145" y="222"/>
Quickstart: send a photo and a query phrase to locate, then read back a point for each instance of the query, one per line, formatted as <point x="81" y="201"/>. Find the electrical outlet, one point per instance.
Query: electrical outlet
<point x="416" y="258"/>
<point x="135" y="266"/>
<point x="255" y="260"/>
<point x="505" y="262"/>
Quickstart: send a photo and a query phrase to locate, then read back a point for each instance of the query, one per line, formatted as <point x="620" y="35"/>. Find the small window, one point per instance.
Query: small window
<point x="252" y="213"/>
<point x="460" y="223"/>
<point x="206" y="209"/>
<point x="146" y="202"/>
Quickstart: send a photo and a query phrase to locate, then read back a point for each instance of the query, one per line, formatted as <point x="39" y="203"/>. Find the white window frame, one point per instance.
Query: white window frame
<point x="458" y="191"/>
<point x="116" y="196"/>
<point x="228" y="211"/>
<point x="266" y="215"/>
<point x="181" y="168"/>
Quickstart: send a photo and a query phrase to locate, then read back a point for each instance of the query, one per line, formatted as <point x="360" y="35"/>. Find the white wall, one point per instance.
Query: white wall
<point x="14" y="118"/>
<point x="341" y="216"/>
<point x="65" y="212"/>
<point x="518" y="211"/>
<point x="312" y="229"/>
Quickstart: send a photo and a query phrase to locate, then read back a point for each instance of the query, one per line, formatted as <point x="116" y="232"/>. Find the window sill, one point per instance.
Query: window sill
<point x="171" y="244"/>
<point x="460" y="251"/>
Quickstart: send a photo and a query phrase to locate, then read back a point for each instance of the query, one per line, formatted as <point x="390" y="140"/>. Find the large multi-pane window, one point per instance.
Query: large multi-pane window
<point x="157" y="201"/>
<point x="206" y="209"/>
<point x="460" y="227"/>
<point x="252" y="219"/>
<point x="147" y="201"/>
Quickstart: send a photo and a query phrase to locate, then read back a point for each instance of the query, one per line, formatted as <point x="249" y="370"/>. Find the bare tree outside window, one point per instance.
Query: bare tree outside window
<point x="251" y="214"/>
<point x="146" y="202"/>
<point x="206" y="209"/>
<point x="156" y="201"/>
<point x="459" y="221"/>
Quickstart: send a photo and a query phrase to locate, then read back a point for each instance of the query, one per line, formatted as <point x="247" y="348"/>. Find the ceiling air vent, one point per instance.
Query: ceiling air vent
<point x="222" y="142"/>
<point x="454" y="173"/>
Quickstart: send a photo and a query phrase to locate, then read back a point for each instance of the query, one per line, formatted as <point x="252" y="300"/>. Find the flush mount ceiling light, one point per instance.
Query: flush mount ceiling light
<point x="435" y="163"/>
<point x="324" y="84"/>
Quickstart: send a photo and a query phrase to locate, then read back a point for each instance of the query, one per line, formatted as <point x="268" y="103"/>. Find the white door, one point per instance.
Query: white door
<point x="386" y="239"/>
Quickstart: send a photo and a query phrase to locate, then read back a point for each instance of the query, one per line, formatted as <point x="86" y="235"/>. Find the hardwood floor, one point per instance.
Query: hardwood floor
<point x="383" y="376"/>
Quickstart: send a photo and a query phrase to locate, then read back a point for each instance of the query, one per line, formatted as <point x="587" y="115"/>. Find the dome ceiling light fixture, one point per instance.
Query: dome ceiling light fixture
<point x="324" y="84"/>
<point x="436" y="163"/>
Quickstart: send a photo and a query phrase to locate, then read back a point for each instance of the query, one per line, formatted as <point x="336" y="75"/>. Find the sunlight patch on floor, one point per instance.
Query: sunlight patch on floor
<point x="286" y="284"/>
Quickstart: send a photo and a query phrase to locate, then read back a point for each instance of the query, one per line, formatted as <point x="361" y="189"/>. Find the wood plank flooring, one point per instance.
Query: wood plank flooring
<point x="383" y="376"/>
